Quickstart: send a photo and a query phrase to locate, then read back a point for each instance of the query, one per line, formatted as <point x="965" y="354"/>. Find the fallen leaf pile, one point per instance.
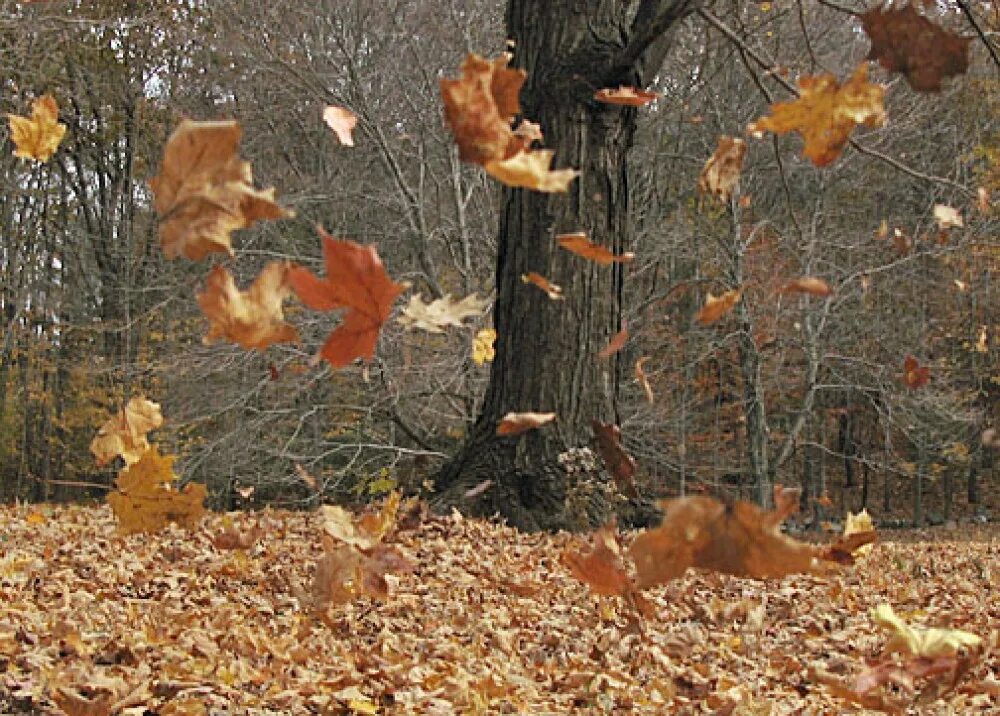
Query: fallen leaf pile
<point x="488" y="621"/>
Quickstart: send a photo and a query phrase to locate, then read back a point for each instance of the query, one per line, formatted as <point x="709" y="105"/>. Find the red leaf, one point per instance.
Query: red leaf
<point x="356" y="281"/>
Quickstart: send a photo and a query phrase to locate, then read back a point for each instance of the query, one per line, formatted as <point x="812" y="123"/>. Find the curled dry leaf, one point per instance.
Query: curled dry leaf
<point x="125" y="434"/>
<point x="581" y="246"/>
<point x="947" y="217"/>
<point x="529" y="131"/>
<point x="232" y="537"/>
<point x="905" y="41"/>
<point x="826" y="113"/>
<point x="37" y="136"/>
<point x="517" y="423"/>
<point x="204" y="191"/>
<point x="928" y="643"/>
<point x="628" y="96"/>
<point x="640" y="375"/>
<point x="616" y="343"/>
<point x="739" y="539"/>
<point x="554" y="292"/>
<point x="619" y="463"/>
<point x="722" y="170"/>
<point x="308" y="480"/>
<point x="482" y="346"/>
<point x="364" y="531"/>
<point x="915" y="375"/>
<point x="355" y="281"/>
<point x="251" y="318"/>
<point x="147" y="499"/>
<point x="434" y="316"/>
<point x="717" y="306"/>
<point x="342" y="122"/>
<point x="480" y="107"/>
<point x="602" y="568"/>
<point x="808" y="284"/>
<point x="474" y="492"/>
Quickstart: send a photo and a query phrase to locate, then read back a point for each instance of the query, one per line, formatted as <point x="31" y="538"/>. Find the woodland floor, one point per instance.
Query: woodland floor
<point x="489" y="622"/>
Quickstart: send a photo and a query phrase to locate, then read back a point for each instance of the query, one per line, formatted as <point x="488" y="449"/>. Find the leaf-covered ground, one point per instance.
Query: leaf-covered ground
<point x="489" y="622"/>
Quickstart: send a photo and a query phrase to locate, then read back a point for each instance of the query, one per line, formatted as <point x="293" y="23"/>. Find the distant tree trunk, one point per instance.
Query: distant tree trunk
<point x="918" y="487"/>
<point x="546" y="350"/>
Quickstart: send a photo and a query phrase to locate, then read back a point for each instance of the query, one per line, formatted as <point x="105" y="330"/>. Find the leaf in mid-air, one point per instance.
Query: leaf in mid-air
<point x="147" y="499"/>
<point x="826" y="113"/>
<point x="554" y="292"/>
<point x="579" y="244"/>
<point x="517" y="423"/>
<point x="619" y="463"/>
<point x="602" y="567"/>
<point x="722" y="170"/>
<point x="482" y="346"/>
<point x="355" y="281"/>
<point x="204" y="191"/>
<point x="251" y="318"/>
<point x="947" y="217"/>
<point x="125" y="434"/>
<point x="628" y="96"/>
<point x="717" y="306"/>
<point x="905" y="41"/>
<point x="810" y="285"/>
<point x="915" y="375"/>
<point x="342" y="122"/>
<point x="37" y="136"/>
<point x="435" y="315"/>
<point x="616" y="343"/>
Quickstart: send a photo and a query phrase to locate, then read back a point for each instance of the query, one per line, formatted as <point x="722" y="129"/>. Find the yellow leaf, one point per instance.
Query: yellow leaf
<point x="362" y="706"/>
<point x="858" y="524"/>
<point x="147" y="499"/>
<point x="39" y="136"/>
<point x="482" y="346"/>
<point x="125" y="434"/>
<point x="915" y="641"/>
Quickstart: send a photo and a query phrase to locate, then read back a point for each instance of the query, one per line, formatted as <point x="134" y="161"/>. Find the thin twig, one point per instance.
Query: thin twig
<point x="979" y="30"/>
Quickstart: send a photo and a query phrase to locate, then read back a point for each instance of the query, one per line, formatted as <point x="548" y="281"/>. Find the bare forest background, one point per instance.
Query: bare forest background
<point x="807" y="389"/>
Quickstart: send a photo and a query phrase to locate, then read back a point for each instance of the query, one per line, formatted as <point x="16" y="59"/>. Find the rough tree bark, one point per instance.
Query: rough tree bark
<point x="546" y="350"/>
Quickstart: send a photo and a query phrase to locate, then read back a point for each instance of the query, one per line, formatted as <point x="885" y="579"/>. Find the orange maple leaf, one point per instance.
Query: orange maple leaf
<point x="517" y="423"/>
<point x="356" y="281"/>
<point x="616" y="343"/>
<point x="717" y="306"/>
<point x="905" y="41"/>
<point x="554" y="292"/>
<point x="251" y="318"/>
<point x="628" y="96"/>
<point x="581" y="246"/>
<point x="808" y="284"/>
<point x="826" y="113"/>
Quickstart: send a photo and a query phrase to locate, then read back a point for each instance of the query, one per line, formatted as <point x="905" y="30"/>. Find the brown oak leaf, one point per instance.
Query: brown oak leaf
<point x="619" y="463"/>
<point x="722" y="170"/>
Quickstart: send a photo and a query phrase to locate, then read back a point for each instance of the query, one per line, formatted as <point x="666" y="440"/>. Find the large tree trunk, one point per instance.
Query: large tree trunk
<point x="546" y="351"/>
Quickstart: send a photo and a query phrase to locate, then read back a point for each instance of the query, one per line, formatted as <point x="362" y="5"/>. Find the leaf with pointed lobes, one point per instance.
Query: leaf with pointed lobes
<point x="722" y="170"/>
<point x="618" y="463"/>
<point x="531" y="170"/>
<point x="125" y="434"/>
<point x="38" y="136"/>
<point x="434" y="316"/>
<point x="826" y="113"/>
<point x="147" y="499"/>
<point x="947" y="217"/>
<point x="517" y="423"/>
<point x="640" y="375"/>
<point x="810" y="285"/>
<point x="616" y="343"/>
<point x="482" y="346"/>
<point x="628" y="96"/>
<point x="915" y="375"/>
<point x="739" y="539"/>
<point x="554" y="292"/>
<point x="251" y="318"/>
<point x="579" y="244"/>
<point x="905" y="41"/>
<point x="204" y="191"/>
<point x="357" y="282"/>
<point x="342" y="122"/>
<point x="345" y="573"/>
<point x="364" y="531"/>
<point x="717" y="306"/>
<point x="602" y="568"/>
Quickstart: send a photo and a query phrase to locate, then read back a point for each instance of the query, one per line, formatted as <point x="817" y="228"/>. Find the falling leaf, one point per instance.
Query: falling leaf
<point x="602" y="568"/>
<point x="722" y="170"/>
<point x="990" y="438"/>
<point x="826" y="113"/>
<point x="628" y="96"/>
<point x="342" y="122"/>
<point x="147" y="499"/>
<point x="926" y="643"/>
<point x="308" y="480"/>
<point x="517" y="423"/>
<point x="809" y="284"/>
<point x="482" y="346"/>
<point x="883" y="229"/>
<point x="983" y="200"/>
<point x="620" y="465"/>
<point x="905" y="41"/>
<point x="554" y="292"/>
<point x="915" y="375"/>
<point x="251" y="318"/>
<point x="947" y="217"/>
<point x="616" y="343"/>
<point x="355" y="281"/>
<point x="901" y="242"/>
<point x="204" y="191"/>
<point x="529" y="131"/>
<point x="640" y="375"/>
<point x="962" y="286"/>
<point x="434" y="316"/>
<point x="581" y="246"/>
<point x="860" y="523"/>
<point x="365" y="531"/>
<point x="738" y="539"/>
<point x="474" y="492"/>
<point x="125" y="434"/>
<point x="480" y="107"/>
<point x="38" y="136"/>
<point x="982" y="342"/>
<point x="531" y="170"/>
<point x="717" y="306"/>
